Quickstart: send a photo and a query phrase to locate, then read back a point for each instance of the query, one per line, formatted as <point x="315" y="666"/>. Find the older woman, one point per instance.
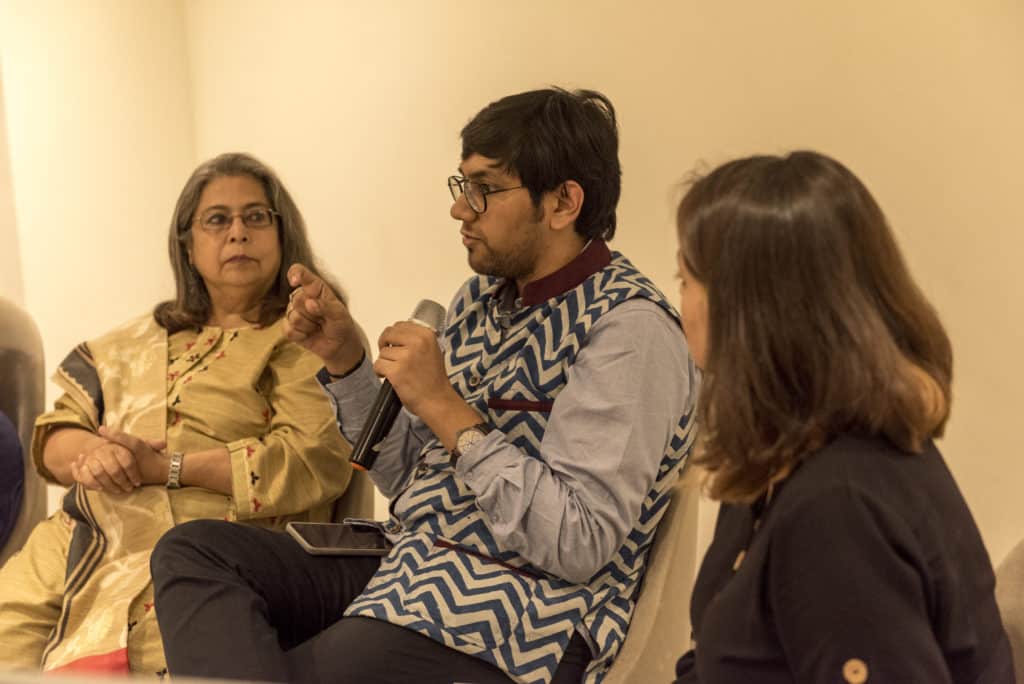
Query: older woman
<point x="201" y="409"/>
<point x="843" y="550"/>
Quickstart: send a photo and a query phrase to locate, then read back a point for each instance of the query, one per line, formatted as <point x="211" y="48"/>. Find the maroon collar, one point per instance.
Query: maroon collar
<point x="588" y="262"/>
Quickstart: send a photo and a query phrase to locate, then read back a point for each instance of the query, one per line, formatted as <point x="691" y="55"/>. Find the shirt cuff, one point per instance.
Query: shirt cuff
<point x="41" y="431"/>
<point x="326" y="377"/>
<point x="242" y="453"/>
<point x="352" y="395"/>
<point x="476" y="467"/>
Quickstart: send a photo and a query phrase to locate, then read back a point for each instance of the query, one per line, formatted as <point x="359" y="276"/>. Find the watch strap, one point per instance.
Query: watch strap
<point x="174" y="470"/>
<point x="482" y="428"/>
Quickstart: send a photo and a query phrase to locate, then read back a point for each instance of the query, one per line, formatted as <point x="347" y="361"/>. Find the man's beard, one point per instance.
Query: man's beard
<point x="516" y="264"/>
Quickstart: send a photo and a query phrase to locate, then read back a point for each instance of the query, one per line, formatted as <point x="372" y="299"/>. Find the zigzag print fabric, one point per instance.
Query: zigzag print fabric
<point x="447" y="578"/>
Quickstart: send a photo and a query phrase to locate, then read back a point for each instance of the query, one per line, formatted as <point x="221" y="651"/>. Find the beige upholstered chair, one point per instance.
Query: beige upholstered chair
<point x="1010" y="597"/>
<point x="660" y="630"/>
<point x="22" y="388"/>
<point x="357" y="501"/>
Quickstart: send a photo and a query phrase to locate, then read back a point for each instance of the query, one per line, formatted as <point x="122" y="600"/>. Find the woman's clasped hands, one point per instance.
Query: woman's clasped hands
<point x="117" y="462"/>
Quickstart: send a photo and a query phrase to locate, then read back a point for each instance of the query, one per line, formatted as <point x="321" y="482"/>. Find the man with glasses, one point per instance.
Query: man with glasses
<point x="527" y="473"/>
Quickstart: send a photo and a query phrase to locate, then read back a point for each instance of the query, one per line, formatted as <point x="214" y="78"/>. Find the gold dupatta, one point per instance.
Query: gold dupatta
<point x="108" y="563"/>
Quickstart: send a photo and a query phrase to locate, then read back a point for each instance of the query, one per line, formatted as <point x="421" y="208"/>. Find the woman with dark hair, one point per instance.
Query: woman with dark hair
<point x="202" y="409"/>
<point x="843" y="550"/>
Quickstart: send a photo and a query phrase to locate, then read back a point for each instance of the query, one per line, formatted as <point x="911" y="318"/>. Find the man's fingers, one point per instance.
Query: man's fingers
<point x="299" y="275"/>
<point x="294" y="335"/>
<point x="327" y="307"/>
<point x="392" y="354"/>
<point x="335" y="319"/>
<point x="383" y="366"/>
<point x="312" y="285"/>
<point x="388" y="337"/>
<point x="302" y="323"/>
<point x="306" y="309"/>
<point x="405" y="334"/>
<point x="307" y="317"/>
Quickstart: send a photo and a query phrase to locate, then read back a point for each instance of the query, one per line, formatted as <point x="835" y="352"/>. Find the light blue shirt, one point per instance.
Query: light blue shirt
<point x="608" y="430"/>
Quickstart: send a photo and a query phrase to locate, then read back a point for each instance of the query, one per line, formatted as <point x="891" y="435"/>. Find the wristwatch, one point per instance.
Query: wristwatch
<point x="174" y="470"/>
<point x="467" y="437"/>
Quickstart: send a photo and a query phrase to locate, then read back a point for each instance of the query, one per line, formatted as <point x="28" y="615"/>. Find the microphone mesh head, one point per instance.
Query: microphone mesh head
<point x="428" y="313"/>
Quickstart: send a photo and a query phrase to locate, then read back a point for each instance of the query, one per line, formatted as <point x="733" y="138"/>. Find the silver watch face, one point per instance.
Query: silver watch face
<point x="468" y="438"/>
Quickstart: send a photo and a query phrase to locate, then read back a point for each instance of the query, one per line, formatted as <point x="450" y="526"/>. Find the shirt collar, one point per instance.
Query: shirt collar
<point x="592" y="259"/>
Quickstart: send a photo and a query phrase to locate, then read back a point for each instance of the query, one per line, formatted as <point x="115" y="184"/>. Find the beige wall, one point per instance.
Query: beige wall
<point x="11" y="286"/>
<point x="100" y="136"/>
<point x="359" y="105"/>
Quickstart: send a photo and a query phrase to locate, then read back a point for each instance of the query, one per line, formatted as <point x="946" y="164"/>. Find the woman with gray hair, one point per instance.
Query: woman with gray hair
<point x="201" y="409"/>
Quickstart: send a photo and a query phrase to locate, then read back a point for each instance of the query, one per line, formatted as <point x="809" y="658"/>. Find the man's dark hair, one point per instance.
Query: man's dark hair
<point x="547" y="137"/>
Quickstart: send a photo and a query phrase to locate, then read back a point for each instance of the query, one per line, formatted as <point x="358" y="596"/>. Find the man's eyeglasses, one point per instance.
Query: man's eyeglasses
<point x="476" y="193"/>
<point x="216" y="221"/>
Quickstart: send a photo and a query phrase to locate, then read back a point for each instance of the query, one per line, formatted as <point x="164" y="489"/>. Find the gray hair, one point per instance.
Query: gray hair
<point x="191" y="306"/>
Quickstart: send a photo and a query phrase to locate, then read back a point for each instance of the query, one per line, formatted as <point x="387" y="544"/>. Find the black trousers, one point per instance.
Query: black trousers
<point x="240" y="602"/>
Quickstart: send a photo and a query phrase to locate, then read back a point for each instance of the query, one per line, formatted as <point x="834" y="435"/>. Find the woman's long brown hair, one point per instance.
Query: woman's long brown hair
<point x="815" y="326"/>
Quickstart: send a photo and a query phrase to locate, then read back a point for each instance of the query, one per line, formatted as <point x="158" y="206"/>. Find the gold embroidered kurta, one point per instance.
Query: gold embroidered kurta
<point x="79" y="595"/>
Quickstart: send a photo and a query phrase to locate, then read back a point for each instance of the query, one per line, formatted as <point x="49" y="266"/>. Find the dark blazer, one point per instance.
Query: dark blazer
<point x="866" y="567"/>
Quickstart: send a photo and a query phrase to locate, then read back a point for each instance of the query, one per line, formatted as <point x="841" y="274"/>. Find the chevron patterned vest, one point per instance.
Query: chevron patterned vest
<point x="447" y="578"/>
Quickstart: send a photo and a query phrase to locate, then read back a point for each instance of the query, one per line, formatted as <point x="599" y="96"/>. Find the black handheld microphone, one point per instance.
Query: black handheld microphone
<point x="386" y="406"/>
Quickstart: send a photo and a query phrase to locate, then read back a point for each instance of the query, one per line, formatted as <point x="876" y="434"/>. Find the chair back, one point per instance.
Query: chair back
<point x="660" y="629"/>
<point x="1010" y="597"/>
<point x="22" y="391"/>
<point x="357" y="501"/>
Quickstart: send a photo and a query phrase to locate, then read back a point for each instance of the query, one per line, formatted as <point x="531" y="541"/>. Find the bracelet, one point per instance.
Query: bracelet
<point x="350" y="371"/>
<point x="174" y="470"/>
